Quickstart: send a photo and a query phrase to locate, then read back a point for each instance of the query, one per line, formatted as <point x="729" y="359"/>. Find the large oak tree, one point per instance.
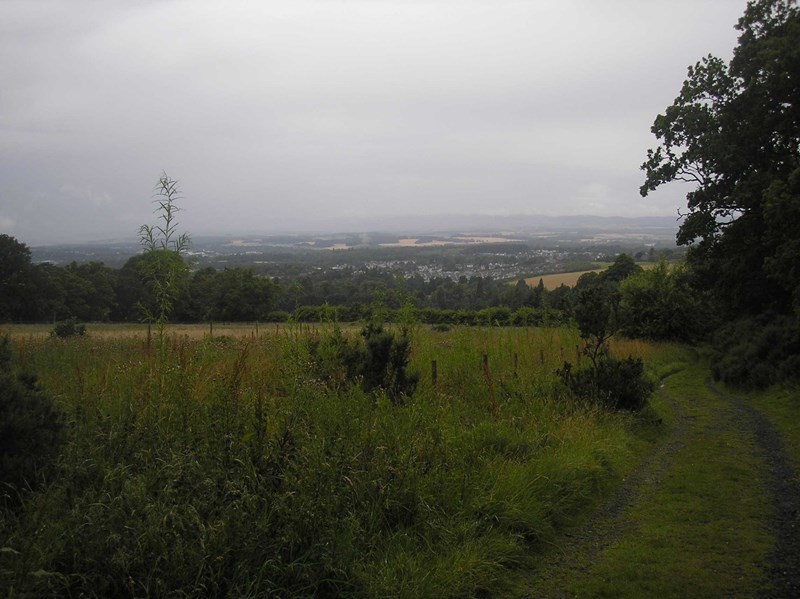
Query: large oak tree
<point x="734" y="133"/>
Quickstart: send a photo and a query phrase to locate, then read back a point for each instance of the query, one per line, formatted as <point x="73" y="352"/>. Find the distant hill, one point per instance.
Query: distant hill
<point x="477" y="223"/>
<point x="514" y="233"/>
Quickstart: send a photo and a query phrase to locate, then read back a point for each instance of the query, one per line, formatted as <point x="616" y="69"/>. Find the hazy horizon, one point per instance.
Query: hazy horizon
<point x="411" y="226"/>
<point x="282" y="116"/>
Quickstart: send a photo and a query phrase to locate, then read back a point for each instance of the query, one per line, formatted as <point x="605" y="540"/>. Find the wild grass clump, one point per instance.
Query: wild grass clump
<point x="257" y="467"/>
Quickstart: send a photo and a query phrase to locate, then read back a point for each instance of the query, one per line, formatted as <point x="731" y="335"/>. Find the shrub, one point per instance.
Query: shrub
<point x="68" y="328"/>
<point x="333" y="357"/>
<point x="278" y="316"/>
<point x="660" y="304"/>
<point x="30" y="426"/>
<point x="757" y="352"/>
<point x="382" y="362"/>
<point x="379" y="362"/>
<point x="617" y="384"/>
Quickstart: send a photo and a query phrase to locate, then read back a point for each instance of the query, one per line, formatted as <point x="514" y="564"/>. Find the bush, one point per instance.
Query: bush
<point x="660" y="304"/>
<point x="383" y="362"/>
<point x="617" y="384"/>
<point x="757" y="352"/>
<point x="278" y="316"/>
<point x="380" y="362"/>
<point x="68" y="328"/>
<point x="30" y="426"/>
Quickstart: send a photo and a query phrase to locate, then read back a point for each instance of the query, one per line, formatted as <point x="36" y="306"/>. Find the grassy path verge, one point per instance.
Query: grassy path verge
<point x="777" y="433"/>
<point x="704" y="516"/>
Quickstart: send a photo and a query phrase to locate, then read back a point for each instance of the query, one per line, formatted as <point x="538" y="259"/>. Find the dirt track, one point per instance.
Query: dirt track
<point x="783" y="568"/>
<point x="579" y="549"/>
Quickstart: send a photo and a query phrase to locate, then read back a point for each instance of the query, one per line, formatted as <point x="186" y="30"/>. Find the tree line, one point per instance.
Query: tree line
<point x="95" y="292"/>
<point x="666" y="305"/>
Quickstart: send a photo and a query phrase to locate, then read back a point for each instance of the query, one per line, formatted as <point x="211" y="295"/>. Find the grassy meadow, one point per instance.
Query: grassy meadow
<point x="244" y="464"/>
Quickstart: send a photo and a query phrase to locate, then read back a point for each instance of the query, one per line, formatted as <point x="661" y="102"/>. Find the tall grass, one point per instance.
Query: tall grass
<point x="234" y="466"/>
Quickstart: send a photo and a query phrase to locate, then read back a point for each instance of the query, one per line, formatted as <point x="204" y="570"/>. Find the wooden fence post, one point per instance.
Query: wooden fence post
<point x="434" y="373"/>
<point x="516" y="363"/>
<point x="485" y="362"/>
<point x="578" y="355"/>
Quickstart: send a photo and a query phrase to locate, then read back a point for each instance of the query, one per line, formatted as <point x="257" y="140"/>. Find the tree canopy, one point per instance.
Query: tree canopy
<point x="734" y="133"/>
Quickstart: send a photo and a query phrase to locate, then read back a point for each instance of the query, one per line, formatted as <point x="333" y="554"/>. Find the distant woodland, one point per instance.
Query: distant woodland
<point x="95" y="292"/>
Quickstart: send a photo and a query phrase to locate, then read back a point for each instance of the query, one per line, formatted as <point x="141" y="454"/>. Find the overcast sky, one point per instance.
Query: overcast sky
<point x="277" y="115"/>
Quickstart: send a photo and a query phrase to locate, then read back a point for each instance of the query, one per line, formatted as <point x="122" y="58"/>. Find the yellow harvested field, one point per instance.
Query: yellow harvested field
<point x="194" y="331"/>
<point x="563" y="278"/>
<point x="415" y="242"/>
<point x="570" y="278"/>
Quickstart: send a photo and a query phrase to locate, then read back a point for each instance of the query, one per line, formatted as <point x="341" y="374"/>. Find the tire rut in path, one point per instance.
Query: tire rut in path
<point x="582" y="545"/>
<point x="782" y="568"/>
<point x="783" y="563"/>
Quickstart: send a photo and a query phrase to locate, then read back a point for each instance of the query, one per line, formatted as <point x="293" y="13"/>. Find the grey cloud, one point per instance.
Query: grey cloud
<point x="272" y="112"/>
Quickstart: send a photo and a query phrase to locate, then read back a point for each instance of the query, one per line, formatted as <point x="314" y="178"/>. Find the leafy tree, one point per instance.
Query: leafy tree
<point x="519" y="295"/>
<point x="198" y="302"/>
<point x="49" y="302"/>
<point x="660" y="304"/>
<point x="623" y="267"/>
<point x="617" y="384"/>
<point x="31" y="429"/>
<point x="131" y="291"/>
<point x="540" y="295"/>
<point x="239" y="295"/>
<point x="596" y="313"/>
<point x="733" y="133"/>
<point x="102" y="282"/>
<point x="15" y="272"/>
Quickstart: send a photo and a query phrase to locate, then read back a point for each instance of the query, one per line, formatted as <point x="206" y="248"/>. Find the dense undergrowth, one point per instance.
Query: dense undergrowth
<point x="250" y="466"/>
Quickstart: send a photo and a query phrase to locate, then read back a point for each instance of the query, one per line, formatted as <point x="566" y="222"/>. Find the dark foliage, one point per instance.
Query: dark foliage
<point x="68" y="328"/>
<point x="30" y="429"/>
<point x="378" y="361"/>
<point x="616" y="384"/>
<point x="15" y="267"/>
<point x="734" y="132"/>
<point x="756" y="352"/>
<point x="660" y="304"/>
<point x="383" y="362"/>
